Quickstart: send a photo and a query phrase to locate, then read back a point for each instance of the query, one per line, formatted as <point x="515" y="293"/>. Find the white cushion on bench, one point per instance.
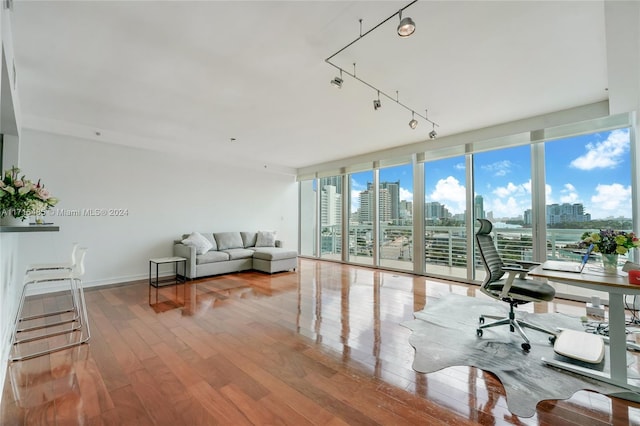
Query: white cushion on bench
<point x="586" y="347"/>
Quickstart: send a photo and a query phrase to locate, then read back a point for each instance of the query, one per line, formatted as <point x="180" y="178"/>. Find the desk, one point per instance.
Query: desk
<point x="162" y="260"/>
<point x="617" y="286"/>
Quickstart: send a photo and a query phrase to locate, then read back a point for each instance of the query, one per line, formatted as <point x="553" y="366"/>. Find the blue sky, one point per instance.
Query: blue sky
<point x="593" y="169"/>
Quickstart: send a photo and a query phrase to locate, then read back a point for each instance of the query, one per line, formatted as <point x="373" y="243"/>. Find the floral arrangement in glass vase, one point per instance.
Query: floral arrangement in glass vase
<point x="21" y="198"/>
<point x="608" y="241"/>
<point x="610" y="244"/>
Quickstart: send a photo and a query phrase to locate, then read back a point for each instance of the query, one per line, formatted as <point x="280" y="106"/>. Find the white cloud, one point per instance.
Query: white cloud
<point x="499" y="168"/>
<point x="507" y="208"/>
<point x="569" y="194"/>
<point x="512" y="189"/>
<point x="356" y="189"/>
<point x="611" y="200"/>
<point x="405" y="194"/>
<point x="510" y="200"/>
<point x="606" y="154"/>
<point x="449" y="192"/>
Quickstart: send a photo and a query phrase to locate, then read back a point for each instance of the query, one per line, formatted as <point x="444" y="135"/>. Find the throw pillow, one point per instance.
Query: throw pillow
<point x="228" y="240"/>
<point x="266" y="239"/>
<point x="249" y="238"/>
<point x="196" y="240"/>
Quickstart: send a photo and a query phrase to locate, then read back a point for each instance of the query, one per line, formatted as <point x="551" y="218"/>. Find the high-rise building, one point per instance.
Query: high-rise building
<point x="366" y="206"/>
<point x="406" y="210"/>
<point x="388" y="206"/>
<point x="435" y="211"/>
<point x="478" y="207"/>
<point x="393" y="189"/>
<point x="333" y="181"/>
<point x="330" y="206"/>
<point x="565" y="212"/>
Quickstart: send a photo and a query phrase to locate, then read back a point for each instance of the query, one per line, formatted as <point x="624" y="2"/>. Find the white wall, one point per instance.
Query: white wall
<point x="165" y="195"/>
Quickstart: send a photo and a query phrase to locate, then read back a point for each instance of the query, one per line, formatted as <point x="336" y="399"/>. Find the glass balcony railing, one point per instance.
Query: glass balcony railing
<point x="446" y="246"/>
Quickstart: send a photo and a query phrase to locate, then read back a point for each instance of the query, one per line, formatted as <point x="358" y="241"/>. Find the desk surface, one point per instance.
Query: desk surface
<point x="588" y="277"/>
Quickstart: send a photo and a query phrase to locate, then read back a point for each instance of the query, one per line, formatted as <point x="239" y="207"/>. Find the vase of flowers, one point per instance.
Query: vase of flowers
<point x="21" y="198"/>
<point x="610" y="243"/>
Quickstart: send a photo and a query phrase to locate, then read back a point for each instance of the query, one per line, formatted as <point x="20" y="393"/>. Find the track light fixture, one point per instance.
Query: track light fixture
<point x="337" y="81"/>
<point x="406" y="27"/>
<point x="413" y="123"/>
<point x="376" y="103"/>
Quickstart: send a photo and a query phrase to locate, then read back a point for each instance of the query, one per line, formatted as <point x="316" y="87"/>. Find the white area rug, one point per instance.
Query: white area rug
<point x="444" y="335"/>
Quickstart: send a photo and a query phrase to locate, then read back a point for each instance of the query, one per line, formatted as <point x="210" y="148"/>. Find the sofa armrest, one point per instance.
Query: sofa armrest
<point x="188" y="252"/>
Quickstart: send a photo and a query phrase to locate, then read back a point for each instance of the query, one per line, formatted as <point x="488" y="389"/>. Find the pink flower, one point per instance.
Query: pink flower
<point x="18" y="183"/>
<point x="43" y="193"/>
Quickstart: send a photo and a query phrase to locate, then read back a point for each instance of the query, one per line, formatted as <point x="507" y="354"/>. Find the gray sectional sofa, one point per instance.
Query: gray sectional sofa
<point x="228" y="252"/>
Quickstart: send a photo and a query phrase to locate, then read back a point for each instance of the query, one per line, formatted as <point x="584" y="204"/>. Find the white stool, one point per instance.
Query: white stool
<point x="68" y="266"/>
<point x="34" y="271"/>
<point x="79" y="321"/>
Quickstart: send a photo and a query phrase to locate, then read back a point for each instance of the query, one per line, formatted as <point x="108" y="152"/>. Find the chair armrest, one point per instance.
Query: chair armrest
<point x="513" y="271"/>
<point x="528" y="264"/>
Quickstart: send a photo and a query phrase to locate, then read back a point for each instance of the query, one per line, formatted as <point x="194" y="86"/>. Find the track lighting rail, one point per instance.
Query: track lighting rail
<point x="396" y="100"/>
<point x="432" y="134"/>
<point x="328" y="60"/>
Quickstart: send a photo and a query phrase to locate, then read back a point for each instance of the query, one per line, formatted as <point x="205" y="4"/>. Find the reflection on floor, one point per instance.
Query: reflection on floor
<point x="320" y="345"/>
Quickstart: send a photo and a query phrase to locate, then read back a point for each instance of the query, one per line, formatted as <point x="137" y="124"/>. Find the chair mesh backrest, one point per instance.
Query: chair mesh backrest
<point x="490" y="257"/>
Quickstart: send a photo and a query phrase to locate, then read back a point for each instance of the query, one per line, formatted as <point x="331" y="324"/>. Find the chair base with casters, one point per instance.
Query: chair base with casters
<point x="509" y="283"/>
<point x="43" y="333"/>
<point x="514" y="324"/>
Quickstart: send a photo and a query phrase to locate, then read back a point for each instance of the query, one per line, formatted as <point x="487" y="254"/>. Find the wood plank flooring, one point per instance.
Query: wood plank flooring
<point x="322" y="345"/>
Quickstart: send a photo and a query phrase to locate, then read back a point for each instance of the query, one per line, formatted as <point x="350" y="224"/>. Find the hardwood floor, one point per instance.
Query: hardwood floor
<point x="322" y="345"/>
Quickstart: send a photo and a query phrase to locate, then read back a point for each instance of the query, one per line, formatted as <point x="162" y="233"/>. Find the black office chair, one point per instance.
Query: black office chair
<point x="515" y="289"/>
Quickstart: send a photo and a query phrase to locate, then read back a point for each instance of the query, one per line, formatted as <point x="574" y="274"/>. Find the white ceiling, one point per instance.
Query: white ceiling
<point x="188" y="76"/>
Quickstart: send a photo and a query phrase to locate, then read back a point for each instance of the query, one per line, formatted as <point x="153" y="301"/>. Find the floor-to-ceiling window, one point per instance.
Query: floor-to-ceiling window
<point x="331" y="199"/>
<point x="395" y="207"/>
<point x="588" y="188"/>
<point x="541" y="189"/>
<point x="361" y="218"/>
<point x="308" y="213"/>
<point x="445" y="213"/>
<point x="502" y="194"/>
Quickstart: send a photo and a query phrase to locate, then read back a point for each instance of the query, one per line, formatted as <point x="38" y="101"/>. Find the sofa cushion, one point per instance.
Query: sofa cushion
<point x="266" y="239"/>
<point x="211" y="256"/>
<point x="207" y="235"/>
<point x="196" y="240"/>
<point x="238" y="253"/>
<point x="249" y="238"/>
<point x="228" y="240"/>
<point x="274" y="253"/>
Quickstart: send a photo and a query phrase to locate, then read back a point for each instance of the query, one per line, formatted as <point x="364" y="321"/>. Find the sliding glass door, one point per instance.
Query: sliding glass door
<point x="331" y="199"/>
<point x="502" y="194"/>
<point x="395" y="207"/>
<point x="362" y="216"/>
<point x="307" y="217"/>
<point x="445" y="215"/>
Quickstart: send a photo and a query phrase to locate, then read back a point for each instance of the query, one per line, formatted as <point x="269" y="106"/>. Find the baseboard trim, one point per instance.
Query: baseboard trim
<point x="124" y="279"/>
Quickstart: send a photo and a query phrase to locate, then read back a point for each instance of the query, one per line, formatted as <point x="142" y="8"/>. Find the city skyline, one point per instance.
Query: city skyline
<point x="593" y="170"/>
